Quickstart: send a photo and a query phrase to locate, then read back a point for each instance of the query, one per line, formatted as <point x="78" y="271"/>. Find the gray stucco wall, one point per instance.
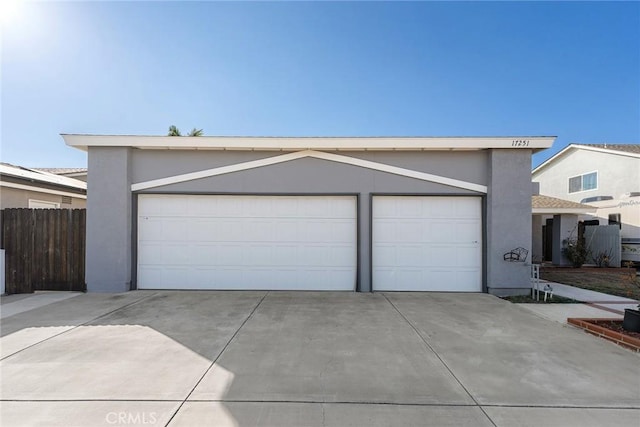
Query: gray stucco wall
<point x="108" y="253"/>
<point x="315" y="176"/>
<point x="467" y="166"/>
<point x="508" y="220"/>
<point x="110" y="220"/>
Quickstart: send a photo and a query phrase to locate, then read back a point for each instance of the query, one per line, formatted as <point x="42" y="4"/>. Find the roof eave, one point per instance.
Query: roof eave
<point x="43" y="177"/>
<point x="557" y="211"/>
<point x="581" y="147"/>
<point x="82" y="142"/>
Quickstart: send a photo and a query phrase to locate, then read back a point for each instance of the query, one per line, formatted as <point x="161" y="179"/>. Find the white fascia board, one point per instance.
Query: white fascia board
<point x="559" y="211"/>
<point x="551" y="159"/>
<point x="41" y="190"/>
<point x="307" y="143"/>
<point x="43" y="177"/>
<point x="314" y="154"/>
<point x="608" y="151"/>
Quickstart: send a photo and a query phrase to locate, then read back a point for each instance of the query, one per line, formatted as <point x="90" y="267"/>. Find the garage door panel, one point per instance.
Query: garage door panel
<point x="384" y="256"/>
<point x="384" y="230"/>
<point x="247" y="242"/>
<point x="285" y="255"/>
<point x="150" y="228"/>
<point x="409" y="256"/>
<point x="285" y="231"/>
<point x="467" y="231"/>
<point x="466" y="207"/>
<point x="149" y="253"/>
<point x="441" y="256"/>
<point x="437" y="233"/>
<point x="341" y="208"/>
<point x="423" y="243"/>
<point x="340" y="256"/>
<point x="176" y="254"/>
<point x="261" y="230"/>
<point x="439" y="208"/>
<point x="315" y="231"/>
<point x="469" y="257"/>
<point x="341" y="231"/>
<point x="408" y="276"/>
<point x="407" y="231"/>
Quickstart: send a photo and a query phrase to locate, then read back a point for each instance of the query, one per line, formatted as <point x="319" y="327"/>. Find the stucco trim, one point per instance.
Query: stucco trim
<point x="41" y="190"/>
<point x="313" y="154"/>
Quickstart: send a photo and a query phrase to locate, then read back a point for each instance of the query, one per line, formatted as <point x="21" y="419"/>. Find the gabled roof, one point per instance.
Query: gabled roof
<point x="625" y="148"/>
<point x="551" y="205"/>
<point x="381" y="143"/>
<point x="41" y="176"/>
<point x="332" y="157"/>
<point x="629" y="150"/>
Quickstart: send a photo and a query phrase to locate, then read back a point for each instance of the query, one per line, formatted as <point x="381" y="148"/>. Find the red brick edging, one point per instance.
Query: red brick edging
<point x="616" y="337"/>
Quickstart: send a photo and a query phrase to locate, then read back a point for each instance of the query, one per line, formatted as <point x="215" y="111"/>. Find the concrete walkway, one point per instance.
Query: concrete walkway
<point x="11" y="305"/>
<point x="307" y="359"/>
<point x="596" y="304"/>
<point x="611" y="303"/>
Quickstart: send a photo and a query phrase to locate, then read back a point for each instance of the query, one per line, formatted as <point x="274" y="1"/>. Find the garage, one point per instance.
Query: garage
<point x="246" y="242"/>
<point x="308" y="213"/>
<point x="427" y="243"/>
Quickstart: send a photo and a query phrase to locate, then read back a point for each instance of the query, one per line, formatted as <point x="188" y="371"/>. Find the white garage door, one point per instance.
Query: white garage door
<point x="427" y="243"/>
<point x="246" y="242"/>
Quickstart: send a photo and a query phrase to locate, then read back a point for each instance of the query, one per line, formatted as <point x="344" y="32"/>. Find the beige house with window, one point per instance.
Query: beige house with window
<point x="604" y="176"/>
<point x="37" y="189"/>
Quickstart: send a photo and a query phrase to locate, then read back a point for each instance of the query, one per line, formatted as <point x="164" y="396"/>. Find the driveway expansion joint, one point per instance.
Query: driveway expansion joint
<point x="415" y="329"/>
<point x="216" y="358"/>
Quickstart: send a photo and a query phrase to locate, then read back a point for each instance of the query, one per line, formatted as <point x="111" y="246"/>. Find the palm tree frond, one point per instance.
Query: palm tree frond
<point x="174" y="131"/>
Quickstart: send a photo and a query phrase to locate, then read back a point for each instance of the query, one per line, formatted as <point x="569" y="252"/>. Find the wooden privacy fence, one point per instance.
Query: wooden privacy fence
<point x="44" y="249"/>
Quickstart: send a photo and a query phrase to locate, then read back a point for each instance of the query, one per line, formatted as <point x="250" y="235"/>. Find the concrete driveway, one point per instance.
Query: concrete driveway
<point x="307" y="359"/>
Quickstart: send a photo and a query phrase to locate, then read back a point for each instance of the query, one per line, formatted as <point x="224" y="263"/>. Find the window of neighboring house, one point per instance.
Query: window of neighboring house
<point x="588" y="181"/>
<point x="41" y="204"/>
<point x="615" y="219"/>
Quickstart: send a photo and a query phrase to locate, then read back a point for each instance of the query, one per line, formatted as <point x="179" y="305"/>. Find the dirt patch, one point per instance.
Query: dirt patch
<point x="616" y="325"/>
<point x="613" y="281"/>
<point x="528" y="299"/>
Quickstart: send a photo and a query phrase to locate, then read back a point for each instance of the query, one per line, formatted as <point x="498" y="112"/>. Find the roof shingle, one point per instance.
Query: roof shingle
<point x="548" y="202"/>
<point x="61" y="171"/>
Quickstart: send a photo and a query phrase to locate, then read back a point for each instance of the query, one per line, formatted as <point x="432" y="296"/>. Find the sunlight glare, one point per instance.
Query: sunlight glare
<point x="9" y="10"/>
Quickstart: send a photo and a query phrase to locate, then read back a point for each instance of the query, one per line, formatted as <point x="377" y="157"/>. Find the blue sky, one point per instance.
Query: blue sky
<point x="315" y="69"/>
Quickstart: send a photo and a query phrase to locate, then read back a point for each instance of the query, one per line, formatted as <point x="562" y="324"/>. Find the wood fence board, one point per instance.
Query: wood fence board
<point x="44" y="249"/>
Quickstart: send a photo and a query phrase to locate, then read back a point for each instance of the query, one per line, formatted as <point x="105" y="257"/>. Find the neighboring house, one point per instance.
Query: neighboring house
<point x="554" y="220"/>
<point x="31" y="188"/>
<point x="605" y="176"/>
<point x="315" y="213"/>
<point x="76" y="173"/>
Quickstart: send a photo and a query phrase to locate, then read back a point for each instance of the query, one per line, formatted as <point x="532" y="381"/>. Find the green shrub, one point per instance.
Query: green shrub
<point x="576" y="251"/>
